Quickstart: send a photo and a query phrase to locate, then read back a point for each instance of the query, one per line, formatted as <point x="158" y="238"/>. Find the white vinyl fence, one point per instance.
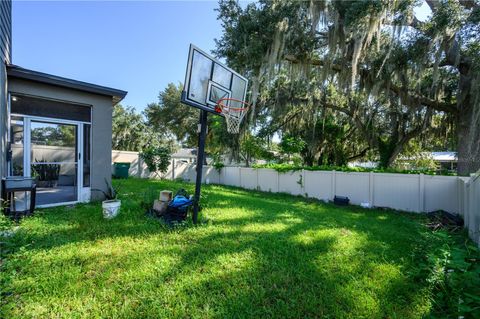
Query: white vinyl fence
<point x="138" y="168"/>
<point x="414" y="193"/>
<point x="470" y="192"/>
<point x="407" y="192"/>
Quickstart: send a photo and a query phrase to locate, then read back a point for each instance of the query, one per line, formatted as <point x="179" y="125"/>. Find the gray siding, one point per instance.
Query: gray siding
<point x="5" y="57"/>
<point x="6" y="30"/>
<point x="3" y="120"/>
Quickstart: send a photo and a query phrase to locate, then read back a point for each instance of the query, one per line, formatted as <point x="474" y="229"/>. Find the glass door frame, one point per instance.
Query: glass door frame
<point x="27" y="146"/>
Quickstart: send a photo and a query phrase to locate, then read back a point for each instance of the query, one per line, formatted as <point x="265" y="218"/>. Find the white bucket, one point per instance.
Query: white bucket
<point x="111" y="208"/>
<point x="366" y="205"/>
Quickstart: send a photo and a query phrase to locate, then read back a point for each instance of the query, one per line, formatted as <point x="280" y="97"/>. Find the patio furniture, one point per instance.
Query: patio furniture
<point x="23" y="204"/>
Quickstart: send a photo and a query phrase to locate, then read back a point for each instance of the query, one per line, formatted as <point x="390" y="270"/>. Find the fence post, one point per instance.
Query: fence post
<point x="258" y="186"/>
<point x="239" y="176"/>
<point x="421" y="192"/>
<point x="371" y="189"/>
<point x="173" y="169"/>
<point x="460" y="197"/>
<point x="471" y="211"/>
<point x="475" y="209"/>
<point x="278" y="181"/>
<point x="304" y="178"/>
<point x="140" y="166"/>
<point x="334" y="185"/>
<point x="466" y="204"/>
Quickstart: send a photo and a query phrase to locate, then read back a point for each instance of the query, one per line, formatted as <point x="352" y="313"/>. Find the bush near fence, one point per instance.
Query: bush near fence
<point x="290" y="167"/>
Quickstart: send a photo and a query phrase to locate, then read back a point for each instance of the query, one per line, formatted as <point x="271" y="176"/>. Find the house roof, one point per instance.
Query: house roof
<point x="436" y="156"/>
<point x="21" y="73"/>
<point x="444" y="156"/>
<point x="185" y="153"/>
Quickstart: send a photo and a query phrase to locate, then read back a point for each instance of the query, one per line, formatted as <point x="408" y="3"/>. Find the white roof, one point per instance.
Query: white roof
<point x="436" y="156"/>
<point x="444" y="156"/>
<point x="185" y="153"/>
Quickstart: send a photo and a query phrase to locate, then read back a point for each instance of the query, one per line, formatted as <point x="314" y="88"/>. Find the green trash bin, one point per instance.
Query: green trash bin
<point x="121" y="170"/>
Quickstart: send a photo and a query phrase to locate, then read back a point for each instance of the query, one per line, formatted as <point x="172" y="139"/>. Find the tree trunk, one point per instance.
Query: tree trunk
<point x="468" y="153"/>
<point x="247" y="160"/>
<point x="468" y="139"/>
<point x="468" y="123"/>
<point x="390" y="150"/>
<point x="386" y="150"/>
<point x="307" y="158"/>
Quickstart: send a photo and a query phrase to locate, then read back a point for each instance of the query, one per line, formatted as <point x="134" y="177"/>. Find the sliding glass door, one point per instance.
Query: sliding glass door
<point x="53" y="156"/>
<point x="56" y="153"/>
<point x="49" y="140"/>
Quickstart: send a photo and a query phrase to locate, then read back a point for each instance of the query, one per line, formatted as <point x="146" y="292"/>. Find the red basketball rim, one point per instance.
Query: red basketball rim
<point x="220" y="105"/>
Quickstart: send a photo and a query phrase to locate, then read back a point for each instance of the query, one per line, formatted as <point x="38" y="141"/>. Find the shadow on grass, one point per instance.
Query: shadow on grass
<point x="260" y="255"/>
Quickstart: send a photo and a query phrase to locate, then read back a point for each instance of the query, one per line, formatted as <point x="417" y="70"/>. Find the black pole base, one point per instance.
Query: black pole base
<point x="200" y="158"/>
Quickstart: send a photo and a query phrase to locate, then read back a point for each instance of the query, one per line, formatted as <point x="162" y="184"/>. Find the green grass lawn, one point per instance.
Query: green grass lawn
<point x="254" y="255"/>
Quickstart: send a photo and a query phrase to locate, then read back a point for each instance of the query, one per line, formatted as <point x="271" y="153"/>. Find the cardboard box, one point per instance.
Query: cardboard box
<point x="160" y="207"/>
<point x="166" y="196"/>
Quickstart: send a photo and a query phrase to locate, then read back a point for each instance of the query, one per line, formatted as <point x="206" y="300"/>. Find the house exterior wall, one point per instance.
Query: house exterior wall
<point x="6" y="30"/>
<point x="5" y="57"/>
<point x="101" y="138"/>
<point x="3" y="119"/>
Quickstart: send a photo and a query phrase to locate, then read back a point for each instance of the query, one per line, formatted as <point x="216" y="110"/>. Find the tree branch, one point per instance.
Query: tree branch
<point x="283" y="123"/>
<point x="433" y="4"/>
<point x="416" y="24"/>
<point x="315" y="62"/>
<point x="468" y="4"/>
<point x="406" y="137"/>
<point x="359" y="155"/>
<point x="437" y="105"/>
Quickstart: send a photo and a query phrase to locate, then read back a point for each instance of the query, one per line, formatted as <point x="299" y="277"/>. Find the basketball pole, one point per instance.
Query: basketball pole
<point x="200" y="158"/>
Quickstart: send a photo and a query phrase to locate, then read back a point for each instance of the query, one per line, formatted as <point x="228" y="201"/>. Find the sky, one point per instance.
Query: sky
<point x="138" y="47"/>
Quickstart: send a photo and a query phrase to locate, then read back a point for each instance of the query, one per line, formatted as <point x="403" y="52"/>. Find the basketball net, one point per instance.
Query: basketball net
<point x="233" y="115"/>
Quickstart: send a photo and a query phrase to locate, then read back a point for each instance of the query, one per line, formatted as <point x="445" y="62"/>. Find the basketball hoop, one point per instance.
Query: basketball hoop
<point x="233" y="115"/>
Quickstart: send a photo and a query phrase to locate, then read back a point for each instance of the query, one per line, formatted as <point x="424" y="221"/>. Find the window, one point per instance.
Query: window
<point x="16" y="146"/>
<point x="86" y="155"/>
<point x="28" y="105"/>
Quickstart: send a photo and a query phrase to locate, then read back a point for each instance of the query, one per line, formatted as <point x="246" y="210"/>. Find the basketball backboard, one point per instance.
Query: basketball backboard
<point x="207" y="80"/>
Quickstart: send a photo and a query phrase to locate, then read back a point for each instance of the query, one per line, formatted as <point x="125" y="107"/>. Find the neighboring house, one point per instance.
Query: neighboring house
<point x="444" y="160"/>
<point x="367" y="164"/>
<point x="55" y="129"/>
<point x="185" y="155"/>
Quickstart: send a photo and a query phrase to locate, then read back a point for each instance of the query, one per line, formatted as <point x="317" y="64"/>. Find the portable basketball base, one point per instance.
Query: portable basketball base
<point x="208" y="81"/>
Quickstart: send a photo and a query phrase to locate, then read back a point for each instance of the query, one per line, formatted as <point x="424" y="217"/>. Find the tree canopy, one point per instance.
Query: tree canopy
<point x="170" y="116"/>
<point x="360" y="78"/>
<point x="130" y="131"/>
<point x="180" y="122"/>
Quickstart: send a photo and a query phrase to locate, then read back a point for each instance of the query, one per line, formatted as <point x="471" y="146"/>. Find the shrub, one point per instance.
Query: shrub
<point x="282" y="168"/>
<point x="157" y="158"/>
